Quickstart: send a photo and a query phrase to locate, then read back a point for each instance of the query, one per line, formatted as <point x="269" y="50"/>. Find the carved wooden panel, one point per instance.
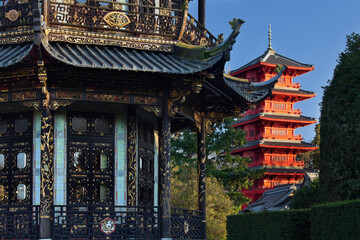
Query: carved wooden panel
<point x="90" y="158"/>
<point x="16" y="159"/>
<point x="146" y="164"/>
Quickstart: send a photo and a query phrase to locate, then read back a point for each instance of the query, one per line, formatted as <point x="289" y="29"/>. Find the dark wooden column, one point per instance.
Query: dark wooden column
<point x="202" y="11"/>
<point x="47" y="173"/>
<point x="201" y="153"/>
<point x="165" y="168"/>
<point x="131" y="158"/>
<point x="47" y="158"/>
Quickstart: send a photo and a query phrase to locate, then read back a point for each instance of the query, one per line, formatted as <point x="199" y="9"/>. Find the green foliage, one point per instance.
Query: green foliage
<point x="340" y="127"/>
<point x="307" y="196"/>
<point x="218" y="204"/>
<point x="312" y="159"/>
<point x="275" y="225"/>
<point x="231" y="170"/>
<point x="337" y="220"/>
<point x="315" y="155"/>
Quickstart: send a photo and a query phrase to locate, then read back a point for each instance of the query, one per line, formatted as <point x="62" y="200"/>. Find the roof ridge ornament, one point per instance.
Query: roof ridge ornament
<point x="270" y="37"/>
<point x="270" y="50"/>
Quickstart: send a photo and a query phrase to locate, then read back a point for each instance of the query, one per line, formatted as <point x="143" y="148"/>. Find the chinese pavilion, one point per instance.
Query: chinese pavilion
<point x="90" y="94"/>
<point x="270" y="125"/>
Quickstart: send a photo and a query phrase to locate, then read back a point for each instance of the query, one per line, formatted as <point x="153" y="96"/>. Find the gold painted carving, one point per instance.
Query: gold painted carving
<point x="32" y="104"/>
<point x="158" y="46"/>
<point x="4" y="97"/>
<point x="47" y="170"/>
<point x="55" y="104"/>
<point x="19" y="39"/>
<point x="155" y="110"/>
<point x="107" y="98"/>
<point x="20" y="96"/>
<point x="132" y="165"/>
<point x="208" y="124"/>
<point x="13" y="15"/>
<point x="146" y="100"/>
<point x="176" y="96"/>
<point x="118" y="19"/>
<point x="23" y="72"/>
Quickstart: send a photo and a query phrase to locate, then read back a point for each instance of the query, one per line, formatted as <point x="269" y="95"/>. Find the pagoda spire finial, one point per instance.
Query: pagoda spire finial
<point x="270" y="38"/>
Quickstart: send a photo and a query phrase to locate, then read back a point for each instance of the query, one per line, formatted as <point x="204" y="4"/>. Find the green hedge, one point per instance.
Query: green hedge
<point x="284" y="225"/>
<point x="338" y="220"/>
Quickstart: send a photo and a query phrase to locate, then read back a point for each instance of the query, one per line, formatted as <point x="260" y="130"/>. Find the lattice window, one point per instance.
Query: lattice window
<point x="279" y="158"/>
<point x="278" y="132"/>
<point x="16" y="159"/>
<point x="146" y="164"/>
<point x="279" y="106"/>
<point x="90" y="158"/>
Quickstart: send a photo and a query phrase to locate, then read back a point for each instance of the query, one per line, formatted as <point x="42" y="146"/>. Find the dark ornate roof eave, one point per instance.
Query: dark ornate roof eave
<point x="252" y="93"/>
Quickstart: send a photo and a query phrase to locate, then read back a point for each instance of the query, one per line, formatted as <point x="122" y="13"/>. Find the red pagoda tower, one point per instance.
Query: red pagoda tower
<point x="270" y="126"/>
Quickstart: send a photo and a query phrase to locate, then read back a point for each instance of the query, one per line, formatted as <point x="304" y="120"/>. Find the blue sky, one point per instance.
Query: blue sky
<point x="312" y="32"/>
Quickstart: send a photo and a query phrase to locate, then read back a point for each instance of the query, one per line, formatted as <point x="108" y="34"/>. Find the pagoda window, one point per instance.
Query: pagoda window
<point x="251" y="133"/>
<point x="278" y="132"/>
<point x="91" y="159"/>
<point x="279" y="106"/>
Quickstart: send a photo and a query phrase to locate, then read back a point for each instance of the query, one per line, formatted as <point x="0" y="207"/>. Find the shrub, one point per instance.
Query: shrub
<point x="276" y="225"/>
<point x="337" y="220"/>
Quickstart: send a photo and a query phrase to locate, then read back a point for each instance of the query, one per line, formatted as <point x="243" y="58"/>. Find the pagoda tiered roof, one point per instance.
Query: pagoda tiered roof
<point x="299" y="145"/>
<point x="270" y="57"/>
<point x="303" y="120"/>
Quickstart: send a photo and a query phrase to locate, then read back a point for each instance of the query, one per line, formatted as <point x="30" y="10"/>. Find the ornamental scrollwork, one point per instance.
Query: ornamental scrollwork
<point x="32" y="104"/>
<point x="177" y="96"/>
<point x="55" y="104"/>
<point x="47" y="170"/>
<point x="198" y="118"/>
<point x="155" y="110"/>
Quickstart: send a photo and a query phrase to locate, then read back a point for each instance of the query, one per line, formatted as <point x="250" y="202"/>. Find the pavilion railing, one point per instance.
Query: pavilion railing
<point x="19" y="222"/>
<point x="79" y="222"/>
<point x="196" y="34"/>
<point x="185" y="224"/>
<point x="113" y="17"/>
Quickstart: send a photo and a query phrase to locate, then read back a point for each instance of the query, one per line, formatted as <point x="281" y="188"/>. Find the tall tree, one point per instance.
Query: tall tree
<point x="218" y="204"/>
<point x="232" y="171"/>
<point x="312" y="159"/>
<point x="340" y="127"/>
